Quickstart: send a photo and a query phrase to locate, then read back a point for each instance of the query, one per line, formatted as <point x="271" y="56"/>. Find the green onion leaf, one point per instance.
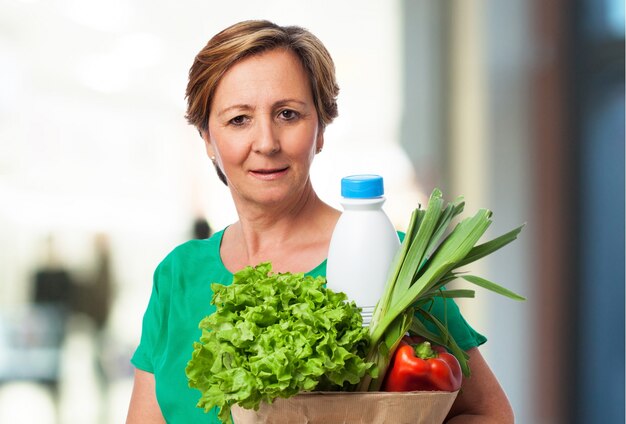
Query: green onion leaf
<point x="479" y="281"/>
<point x="426" y="262"/>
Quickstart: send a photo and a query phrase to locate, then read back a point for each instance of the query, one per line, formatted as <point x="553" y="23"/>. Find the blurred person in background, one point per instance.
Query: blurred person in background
<point x="261" y="96"/>
<point x="92" y="301"/>
<point x="44" y="331"/>
<point x="93" y="298"/>
<point x="52" y="280"/>
<point x="201" y="228"/>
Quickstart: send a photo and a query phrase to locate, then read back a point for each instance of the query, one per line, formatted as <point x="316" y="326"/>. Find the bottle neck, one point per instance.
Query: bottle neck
<point x="357" y="204"/>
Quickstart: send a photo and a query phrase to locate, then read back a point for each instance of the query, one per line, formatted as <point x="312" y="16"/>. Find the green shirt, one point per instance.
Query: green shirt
<point x="181" y="297"/>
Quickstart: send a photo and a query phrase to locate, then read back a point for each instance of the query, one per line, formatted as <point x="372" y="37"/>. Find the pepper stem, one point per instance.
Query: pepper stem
<point x="425" y="351"/>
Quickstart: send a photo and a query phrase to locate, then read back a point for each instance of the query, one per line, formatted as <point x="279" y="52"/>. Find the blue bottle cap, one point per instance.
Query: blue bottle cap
<point x="362" y="186"/>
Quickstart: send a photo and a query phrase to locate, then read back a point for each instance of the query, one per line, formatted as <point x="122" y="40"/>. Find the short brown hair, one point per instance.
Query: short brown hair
<point x="248" y="38"/>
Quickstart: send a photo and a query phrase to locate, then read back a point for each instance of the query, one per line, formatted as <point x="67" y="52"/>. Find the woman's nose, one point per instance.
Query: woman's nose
<point x="266" y="140"/>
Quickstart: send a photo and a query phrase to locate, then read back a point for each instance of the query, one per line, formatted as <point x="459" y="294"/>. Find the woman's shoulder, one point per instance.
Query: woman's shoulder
<point x="193" y="262"/>
<point x="194" y="250"/>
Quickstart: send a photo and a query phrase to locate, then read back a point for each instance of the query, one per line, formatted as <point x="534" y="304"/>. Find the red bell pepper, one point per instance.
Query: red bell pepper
<point x="422" y="367"/>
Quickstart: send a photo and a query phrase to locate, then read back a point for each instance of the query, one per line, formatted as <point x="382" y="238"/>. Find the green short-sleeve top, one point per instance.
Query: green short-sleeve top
<point x="181" y="297"/>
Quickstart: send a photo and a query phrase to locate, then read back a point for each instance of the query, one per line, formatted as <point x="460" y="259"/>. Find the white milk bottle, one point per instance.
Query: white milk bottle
<point x="363" y="244"/>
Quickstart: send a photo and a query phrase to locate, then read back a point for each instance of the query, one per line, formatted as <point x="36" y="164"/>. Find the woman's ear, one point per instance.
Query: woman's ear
<point x="319" y="143"/>
<point x="207" y="144"/>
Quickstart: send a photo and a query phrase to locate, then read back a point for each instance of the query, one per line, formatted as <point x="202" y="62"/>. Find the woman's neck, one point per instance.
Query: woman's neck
<point x="294" y="239"/>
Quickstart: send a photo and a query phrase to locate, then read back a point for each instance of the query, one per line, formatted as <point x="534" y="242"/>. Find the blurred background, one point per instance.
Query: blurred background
<point x="518" y="105"/>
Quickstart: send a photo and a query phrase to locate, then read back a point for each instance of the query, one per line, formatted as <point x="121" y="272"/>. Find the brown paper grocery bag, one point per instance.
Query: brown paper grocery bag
<point x="351" y="408"/>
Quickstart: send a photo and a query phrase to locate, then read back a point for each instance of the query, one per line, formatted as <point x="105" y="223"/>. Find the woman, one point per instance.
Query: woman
<point x="261" y="96"/>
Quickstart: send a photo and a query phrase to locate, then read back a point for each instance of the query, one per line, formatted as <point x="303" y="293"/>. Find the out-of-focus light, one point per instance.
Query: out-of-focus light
<point x="616" y="17"/>
<point x="113" y="71"/>
<point x="102" y="73"/>
<point x="11" y="81"/>
<point x="79" y="383"/>
<point x="139" y="50"/>
<point x="24" y="402"/>
<point x="111" y="15"/>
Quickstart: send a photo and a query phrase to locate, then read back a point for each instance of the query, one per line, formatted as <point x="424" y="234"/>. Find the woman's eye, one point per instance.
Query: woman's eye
<point x="238" y="120"/>
<point x="288" y="115"/>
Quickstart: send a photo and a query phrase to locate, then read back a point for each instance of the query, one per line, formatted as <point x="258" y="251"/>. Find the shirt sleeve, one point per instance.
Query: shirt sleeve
<point x="448" y="313"/>
<point x="143" y="358"/>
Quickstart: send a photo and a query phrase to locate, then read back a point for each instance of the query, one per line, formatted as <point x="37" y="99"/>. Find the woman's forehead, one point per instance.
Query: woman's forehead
<point x="269" y="75"/>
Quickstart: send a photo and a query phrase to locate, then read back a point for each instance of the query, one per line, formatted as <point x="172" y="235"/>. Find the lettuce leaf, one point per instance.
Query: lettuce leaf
<point x="275" y="335"/>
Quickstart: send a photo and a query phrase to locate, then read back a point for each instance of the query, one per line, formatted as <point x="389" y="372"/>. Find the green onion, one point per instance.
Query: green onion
<point x="424" y="265"/>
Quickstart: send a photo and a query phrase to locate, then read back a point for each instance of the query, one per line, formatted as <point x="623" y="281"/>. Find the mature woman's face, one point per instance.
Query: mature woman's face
<point x="263" y="128"/>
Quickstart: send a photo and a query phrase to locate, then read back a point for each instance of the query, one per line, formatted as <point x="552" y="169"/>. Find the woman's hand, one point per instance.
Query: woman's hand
<point x="144" y="408"/>
<point x="481" y="398"/>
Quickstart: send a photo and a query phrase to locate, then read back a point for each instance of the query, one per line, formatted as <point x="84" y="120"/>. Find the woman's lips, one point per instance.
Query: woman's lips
<point x="269" y="174"/>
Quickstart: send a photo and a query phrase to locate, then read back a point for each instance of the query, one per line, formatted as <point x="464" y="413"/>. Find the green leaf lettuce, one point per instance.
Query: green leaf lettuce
<point x="276" y="335"/>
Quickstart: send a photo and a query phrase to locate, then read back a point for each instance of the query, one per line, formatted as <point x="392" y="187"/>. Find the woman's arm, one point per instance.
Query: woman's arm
<point x="144" y="408"/>
<point x="481" y="399"/>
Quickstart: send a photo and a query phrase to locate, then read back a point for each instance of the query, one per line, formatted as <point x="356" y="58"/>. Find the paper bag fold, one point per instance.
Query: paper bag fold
<point x="351" y="408"/>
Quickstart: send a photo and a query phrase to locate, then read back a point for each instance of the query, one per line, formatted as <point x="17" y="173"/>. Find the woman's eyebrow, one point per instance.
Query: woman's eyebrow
<point x="284" y="102"/>
<point x="235" y="107"/>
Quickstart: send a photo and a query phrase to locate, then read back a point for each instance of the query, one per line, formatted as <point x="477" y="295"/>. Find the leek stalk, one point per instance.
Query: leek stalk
<point x="428" y="259"/>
